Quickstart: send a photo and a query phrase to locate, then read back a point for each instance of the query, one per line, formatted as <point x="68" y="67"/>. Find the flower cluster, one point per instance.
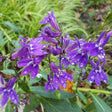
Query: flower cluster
<point x="32" y="52"/>
<point x="8" y="91"/>
<point x="67" y="51"/>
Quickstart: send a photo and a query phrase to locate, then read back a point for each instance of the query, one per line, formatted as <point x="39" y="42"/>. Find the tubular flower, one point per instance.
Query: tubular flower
<point x="31" y="64"/>
<point x="32" y="48"/>
<point x="97" y="74"/>
<point x="60" y="76"/>
<point x="49" y="85"/>
<point x="96" y="49"/>
<point x="79" y="54"/>
<point x="51" y="20"/>
<point x="8" y="91"/>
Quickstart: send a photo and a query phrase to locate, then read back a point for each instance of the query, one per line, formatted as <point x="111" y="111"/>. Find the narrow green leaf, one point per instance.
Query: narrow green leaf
<point x="1" y="38"/>
<point x="9" y="108"/>
<point x="53" y="105"/>
<point x="83" y="98"/>
<point x="8" y="72"/>
<point x="11" y="25"/>
<point x="100" y="104"/>
<point x="41" y="91"/>
<point x="23" y="85"/>
<point x="35" y="80"/>
<point x="34" y="102"/>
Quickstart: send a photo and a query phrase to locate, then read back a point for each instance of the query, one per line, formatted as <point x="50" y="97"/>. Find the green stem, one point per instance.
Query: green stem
<point x="92" y="90"/>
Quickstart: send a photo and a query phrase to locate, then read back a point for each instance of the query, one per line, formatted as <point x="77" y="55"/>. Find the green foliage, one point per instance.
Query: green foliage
<point x="34" y="102"/>
<point x="24" y="86"/>
<point x="9" y="108"/>
<point x="19" y="18"/>
<point x="8" y="71"/>
<point x="100" y="104"/>
<point x="41" y="91"/>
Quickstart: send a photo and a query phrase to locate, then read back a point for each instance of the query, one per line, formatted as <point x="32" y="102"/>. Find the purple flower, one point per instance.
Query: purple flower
<point x="48" y="31"/>
<point x="60" y="76"/>
<point x="31" y="64"/>
<point x="51" y="20"/>
<point x="65" y="61"/>
<point x="55" y="51"/>
<point x="67" y="42"/>
<point x="8" y="91"/>
<point x="32" y="48"/>
<point x="96" y="49"/>
<point x="97" y="74"/>
<point x="49" y="85"/>
<point x="23" y="52"/>
<point x="46" y="37"/>
<point x="79" y="54"/>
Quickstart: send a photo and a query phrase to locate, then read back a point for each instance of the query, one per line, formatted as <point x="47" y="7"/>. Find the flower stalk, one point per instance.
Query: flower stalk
<point x="92" y="90"/>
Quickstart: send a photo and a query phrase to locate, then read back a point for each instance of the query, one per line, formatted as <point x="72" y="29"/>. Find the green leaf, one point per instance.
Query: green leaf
<point x="9" y="108"/>
<point x="53" y="105"/>
<point x="41" y="91"/>
<point x="75" y="105"/>
<point x="34" y="102"/>
<point x="82" y="97"/>
<point x="109" y="87"/>
<point x="100" y="104"/>
<point x="1" y="38"/>
<point x="23" y="85"/>
<point x="35" y="80"/>
<point x="108" y="18"/>
<point x="11" y="25"/>
<point x="8" y="71"/>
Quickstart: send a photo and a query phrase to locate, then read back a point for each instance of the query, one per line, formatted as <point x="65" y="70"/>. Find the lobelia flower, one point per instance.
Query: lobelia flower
<point x="32" y="48"/>
<point x="8" y="91"/>
<point x="96" y="49"/>
<point x="97" y="74"/>
<point x="46" y="37"/>
<point x="49" y="85"/>
<point x="51" y="20"/>
<point x="65" y="61"/>
<point x="79" y="54"/>
<point x="31" y="64"/>
<point x="60" y="76"/>
<point x="48" y="31"/>
<point x="55" y="51"/>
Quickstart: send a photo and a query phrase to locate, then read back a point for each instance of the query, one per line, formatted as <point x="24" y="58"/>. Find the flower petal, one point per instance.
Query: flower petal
<point x="34" y="71"/>
<point x="83" y="61"/>
<point x="14" y="97"/>
<point x="27" y="70"/>
<point x="67" y="76"/>
<point x="63" y="82"/>
<point x="97" y="79"/>
<point x="104" y="77"/>
<point x="94" y="51"/>
<point x="101" y="55"/>
<point x="23" y="62"/>
<point x="5" y="98"/>
<point x="1" y="90"/>
<point x="91" y="76"/>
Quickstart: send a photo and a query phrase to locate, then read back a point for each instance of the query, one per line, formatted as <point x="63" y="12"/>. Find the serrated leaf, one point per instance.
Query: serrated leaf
<point x="11" y="25"/>
<point x="8" y="108"/>
<point x="41" y="91"/>
<point x="1" y="38"/>
<point x="100" y="104"/>
<point x="53" y="105"/>
<point x="8" y="72"/>
<point x="23" y="85"/>
<point x="34" y="102"/>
